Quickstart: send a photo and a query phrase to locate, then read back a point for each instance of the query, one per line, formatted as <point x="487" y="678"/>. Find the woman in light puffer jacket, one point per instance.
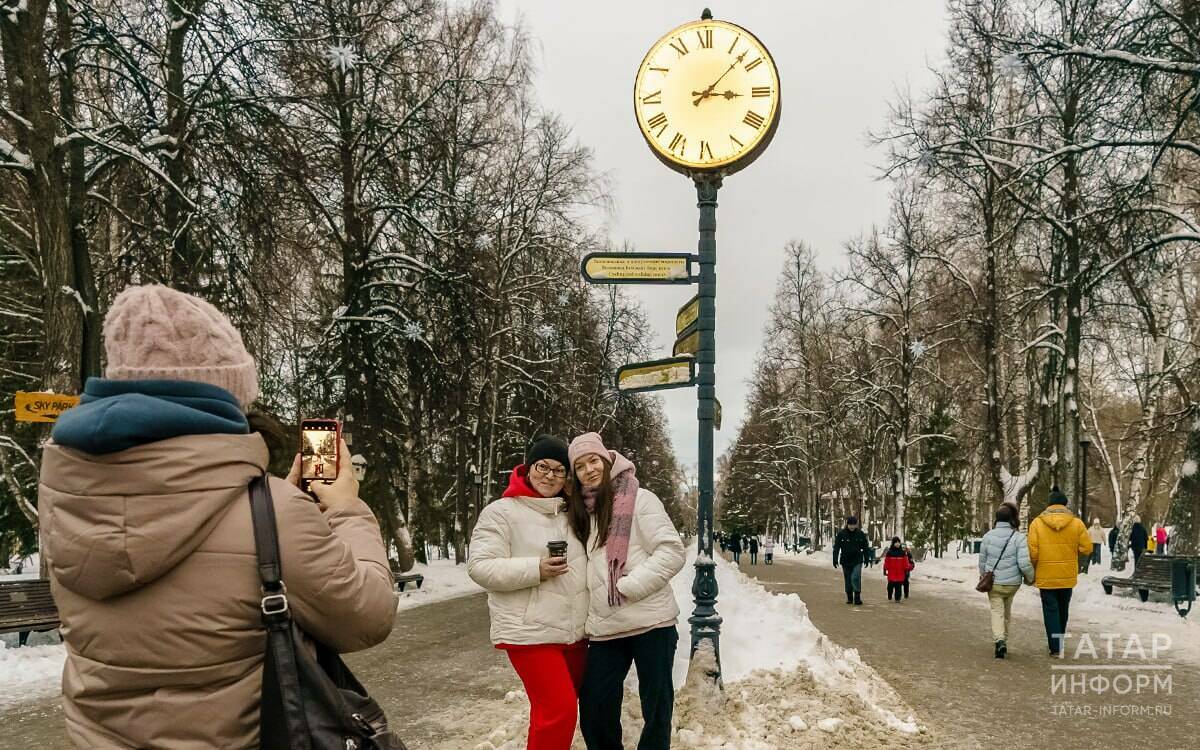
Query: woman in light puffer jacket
<point x="633" y="553"/>
<point x="538" y="603"/>
<point x="1005" y="551"/>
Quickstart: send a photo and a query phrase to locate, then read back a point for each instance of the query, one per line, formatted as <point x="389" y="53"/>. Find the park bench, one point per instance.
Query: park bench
<point x="26" y="606"/>
<point x="1153" y="573"/>
<point x="403" y="579"/>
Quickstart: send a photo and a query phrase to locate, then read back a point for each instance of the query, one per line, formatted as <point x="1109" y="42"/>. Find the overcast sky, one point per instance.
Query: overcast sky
<point x="841" y="62"/>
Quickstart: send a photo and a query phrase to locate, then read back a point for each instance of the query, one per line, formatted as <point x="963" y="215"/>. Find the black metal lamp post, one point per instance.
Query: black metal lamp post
<point x="1084" y="442"/>
<point x="937" y="511"/>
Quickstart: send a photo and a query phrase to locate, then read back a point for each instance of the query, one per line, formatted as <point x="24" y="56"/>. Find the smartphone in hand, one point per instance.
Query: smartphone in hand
<point x="320" y="457"/>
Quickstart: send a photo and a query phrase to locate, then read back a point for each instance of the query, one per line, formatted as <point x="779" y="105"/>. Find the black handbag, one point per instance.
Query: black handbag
<point x="309" y="702"/>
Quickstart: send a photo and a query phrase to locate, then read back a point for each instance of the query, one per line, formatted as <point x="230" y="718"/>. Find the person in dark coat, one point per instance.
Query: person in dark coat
<point x="1138" y="539"/>
<point x="753" y="550"/>
<point x="735" y="546"/>
<point x="850" y="549"/>
<point x="1112" y="543"/>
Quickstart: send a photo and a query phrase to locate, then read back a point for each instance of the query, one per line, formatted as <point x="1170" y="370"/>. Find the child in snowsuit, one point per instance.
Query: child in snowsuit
<point x="896" y="566"/>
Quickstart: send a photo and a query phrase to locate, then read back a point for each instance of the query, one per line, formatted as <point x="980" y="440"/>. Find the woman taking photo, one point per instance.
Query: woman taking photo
<point x="538" y="602"/>
<point x="633" y="553"/>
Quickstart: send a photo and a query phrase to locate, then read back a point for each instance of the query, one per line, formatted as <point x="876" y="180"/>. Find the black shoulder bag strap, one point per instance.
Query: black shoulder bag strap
<point x="283" y="717"/>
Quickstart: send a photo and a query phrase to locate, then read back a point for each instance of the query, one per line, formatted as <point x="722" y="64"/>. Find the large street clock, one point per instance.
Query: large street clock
<point x="707" y="97"/>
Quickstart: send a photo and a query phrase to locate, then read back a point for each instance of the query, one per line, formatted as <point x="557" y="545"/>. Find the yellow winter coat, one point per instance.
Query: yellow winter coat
<point x="1056" y="540"/>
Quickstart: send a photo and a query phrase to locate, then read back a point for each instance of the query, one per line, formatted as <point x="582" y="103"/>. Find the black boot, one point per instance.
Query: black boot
<point x="1001" y="649"/>
<point x="857" y="598"/>
<point x="849" y="598"/>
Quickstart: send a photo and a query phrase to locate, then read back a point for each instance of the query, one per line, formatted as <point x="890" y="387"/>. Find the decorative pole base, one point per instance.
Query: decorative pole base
<point x="705" y="622"/>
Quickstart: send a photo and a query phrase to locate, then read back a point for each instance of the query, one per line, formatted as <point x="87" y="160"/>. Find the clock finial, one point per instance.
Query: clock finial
<point x="706" y="15"/>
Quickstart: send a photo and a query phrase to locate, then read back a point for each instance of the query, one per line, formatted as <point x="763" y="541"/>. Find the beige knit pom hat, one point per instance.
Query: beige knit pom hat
<point x="157" y="333"/>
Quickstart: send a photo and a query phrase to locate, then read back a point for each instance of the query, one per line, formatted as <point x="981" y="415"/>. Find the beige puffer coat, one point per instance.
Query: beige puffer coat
<point x="151" y="553"/>
<point x="507" y="547"/>
<point x="656" y="554"/>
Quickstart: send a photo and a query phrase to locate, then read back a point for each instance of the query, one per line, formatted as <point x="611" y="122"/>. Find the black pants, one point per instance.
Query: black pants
<point x="895" y="588"/>
<point x="737" y="556"/>
<point x="1056" y="604"/>
<point x="600" y="696"/>
<point x="906" y="582"/>
<point x="754" y="558"/>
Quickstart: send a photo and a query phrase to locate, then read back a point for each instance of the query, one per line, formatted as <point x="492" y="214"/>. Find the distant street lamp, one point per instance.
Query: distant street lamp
<point x="937" y="511"/>
<point x="1084" y="442"/>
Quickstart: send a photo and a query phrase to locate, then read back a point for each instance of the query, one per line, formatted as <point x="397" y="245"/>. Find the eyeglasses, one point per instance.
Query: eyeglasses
<point x="542" y="469"/>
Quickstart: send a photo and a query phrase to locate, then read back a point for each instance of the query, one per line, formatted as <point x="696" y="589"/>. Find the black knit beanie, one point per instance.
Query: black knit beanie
<point x="851" y="520"/>
<point x="1057" y="497"/>
<point x="547" y="446"/>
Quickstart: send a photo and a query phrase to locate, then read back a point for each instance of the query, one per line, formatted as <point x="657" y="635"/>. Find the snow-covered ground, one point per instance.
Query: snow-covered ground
<point x="786" y="684"/>
<point x="1122" y="612"/>
<point x="34" y="672"/>
<point x="443" y="580"/>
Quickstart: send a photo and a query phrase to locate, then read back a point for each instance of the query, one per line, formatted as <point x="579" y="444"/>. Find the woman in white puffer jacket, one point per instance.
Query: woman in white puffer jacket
<point x="538" y="604"/>
<point x="633" y="553"/>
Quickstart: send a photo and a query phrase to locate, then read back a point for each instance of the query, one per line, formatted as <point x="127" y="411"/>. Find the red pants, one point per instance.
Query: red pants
<point x="552" y="675"/>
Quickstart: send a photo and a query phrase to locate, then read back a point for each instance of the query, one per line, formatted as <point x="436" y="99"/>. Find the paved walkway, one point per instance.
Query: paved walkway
<point x="935" y="649"/>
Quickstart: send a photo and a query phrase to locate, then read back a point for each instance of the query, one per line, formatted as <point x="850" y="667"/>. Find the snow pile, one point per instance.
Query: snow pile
<point x="30" y="672"/>
<point x="443" y="580"/>
<point x="785" y="683"/>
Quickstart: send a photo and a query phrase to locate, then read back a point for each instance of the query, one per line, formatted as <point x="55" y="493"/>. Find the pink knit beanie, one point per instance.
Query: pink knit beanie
<point x="157" y="333"/>
<point x="585" y="444"/>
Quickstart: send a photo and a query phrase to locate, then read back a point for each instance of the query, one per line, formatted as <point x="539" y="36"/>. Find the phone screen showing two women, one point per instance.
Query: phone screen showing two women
<point x="318" y="450"/>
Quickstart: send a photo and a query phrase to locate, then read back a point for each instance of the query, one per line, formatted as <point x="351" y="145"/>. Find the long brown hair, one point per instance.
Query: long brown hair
<point x="577" y="513"/>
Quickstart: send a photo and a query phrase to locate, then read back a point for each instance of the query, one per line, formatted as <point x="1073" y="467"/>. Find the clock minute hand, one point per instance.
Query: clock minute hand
<point x="709" y="91"/>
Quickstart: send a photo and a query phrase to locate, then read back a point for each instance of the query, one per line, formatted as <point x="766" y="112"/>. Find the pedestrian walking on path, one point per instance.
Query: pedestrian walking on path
<point x="1160" y="540"/>
<point x="735" y="546"/>
<point x="1138" y="540"/>
<point x="151" y="550"/>
<point x="896" y="565"/>
<point x="1005" y="551"/>
<point x="769" y="550"/>
<point x="633" y="553"/>
<point x="754" y="550"/>
<point x="534" y="568"/>
<point x="850" y="549"/>
<point x="911" y="564"/>
<point x="1056" y="540"/>
<point x="1096" y="534"/>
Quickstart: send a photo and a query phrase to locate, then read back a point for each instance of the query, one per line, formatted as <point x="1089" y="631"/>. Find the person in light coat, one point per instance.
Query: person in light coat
<point x="633" y="553"/>
<point x="538" y="603"/>
<point x="1005" y="551"/>
<point x="146" y="529"/>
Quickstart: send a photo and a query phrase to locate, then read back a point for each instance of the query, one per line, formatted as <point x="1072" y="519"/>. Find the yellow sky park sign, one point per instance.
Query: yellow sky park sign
<point x="687" y="315"/>
<point x="42" y="407"/>
<point x="637" y="268"/>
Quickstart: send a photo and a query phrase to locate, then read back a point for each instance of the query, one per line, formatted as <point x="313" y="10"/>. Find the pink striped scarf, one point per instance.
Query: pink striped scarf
<point x="616" y="548"/>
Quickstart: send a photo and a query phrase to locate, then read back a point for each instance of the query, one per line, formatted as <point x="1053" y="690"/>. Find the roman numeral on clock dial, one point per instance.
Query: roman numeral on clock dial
<point x="655" y="98"/>
<point x="658" y="121"/>
<point x="678" y="142"/>
<point x="705" y="150"/>
<point x="753" y="119"/>
<point x="758" y="91"/>
<point x="705" y="36"/>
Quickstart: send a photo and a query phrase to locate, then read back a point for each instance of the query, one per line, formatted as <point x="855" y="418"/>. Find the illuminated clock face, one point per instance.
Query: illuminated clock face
<point x="707" y="97"/>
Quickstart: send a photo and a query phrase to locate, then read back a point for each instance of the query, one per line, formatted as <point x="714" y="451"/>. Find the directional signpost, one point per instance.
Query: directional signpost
<point x="638" y="268"/>
<point x="657" y="375"/>
<point x="688" y="342"/>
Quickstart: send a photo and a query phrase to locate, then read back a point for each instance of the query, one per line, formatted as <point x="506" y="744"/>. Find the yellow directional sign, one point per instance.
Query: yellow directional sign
<point x="657" y="375"/>
<point x="687" y="343"/>
<point x="42" y="407"/>
<point x="638" y="268"/>
<point x="687" y="315"/>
